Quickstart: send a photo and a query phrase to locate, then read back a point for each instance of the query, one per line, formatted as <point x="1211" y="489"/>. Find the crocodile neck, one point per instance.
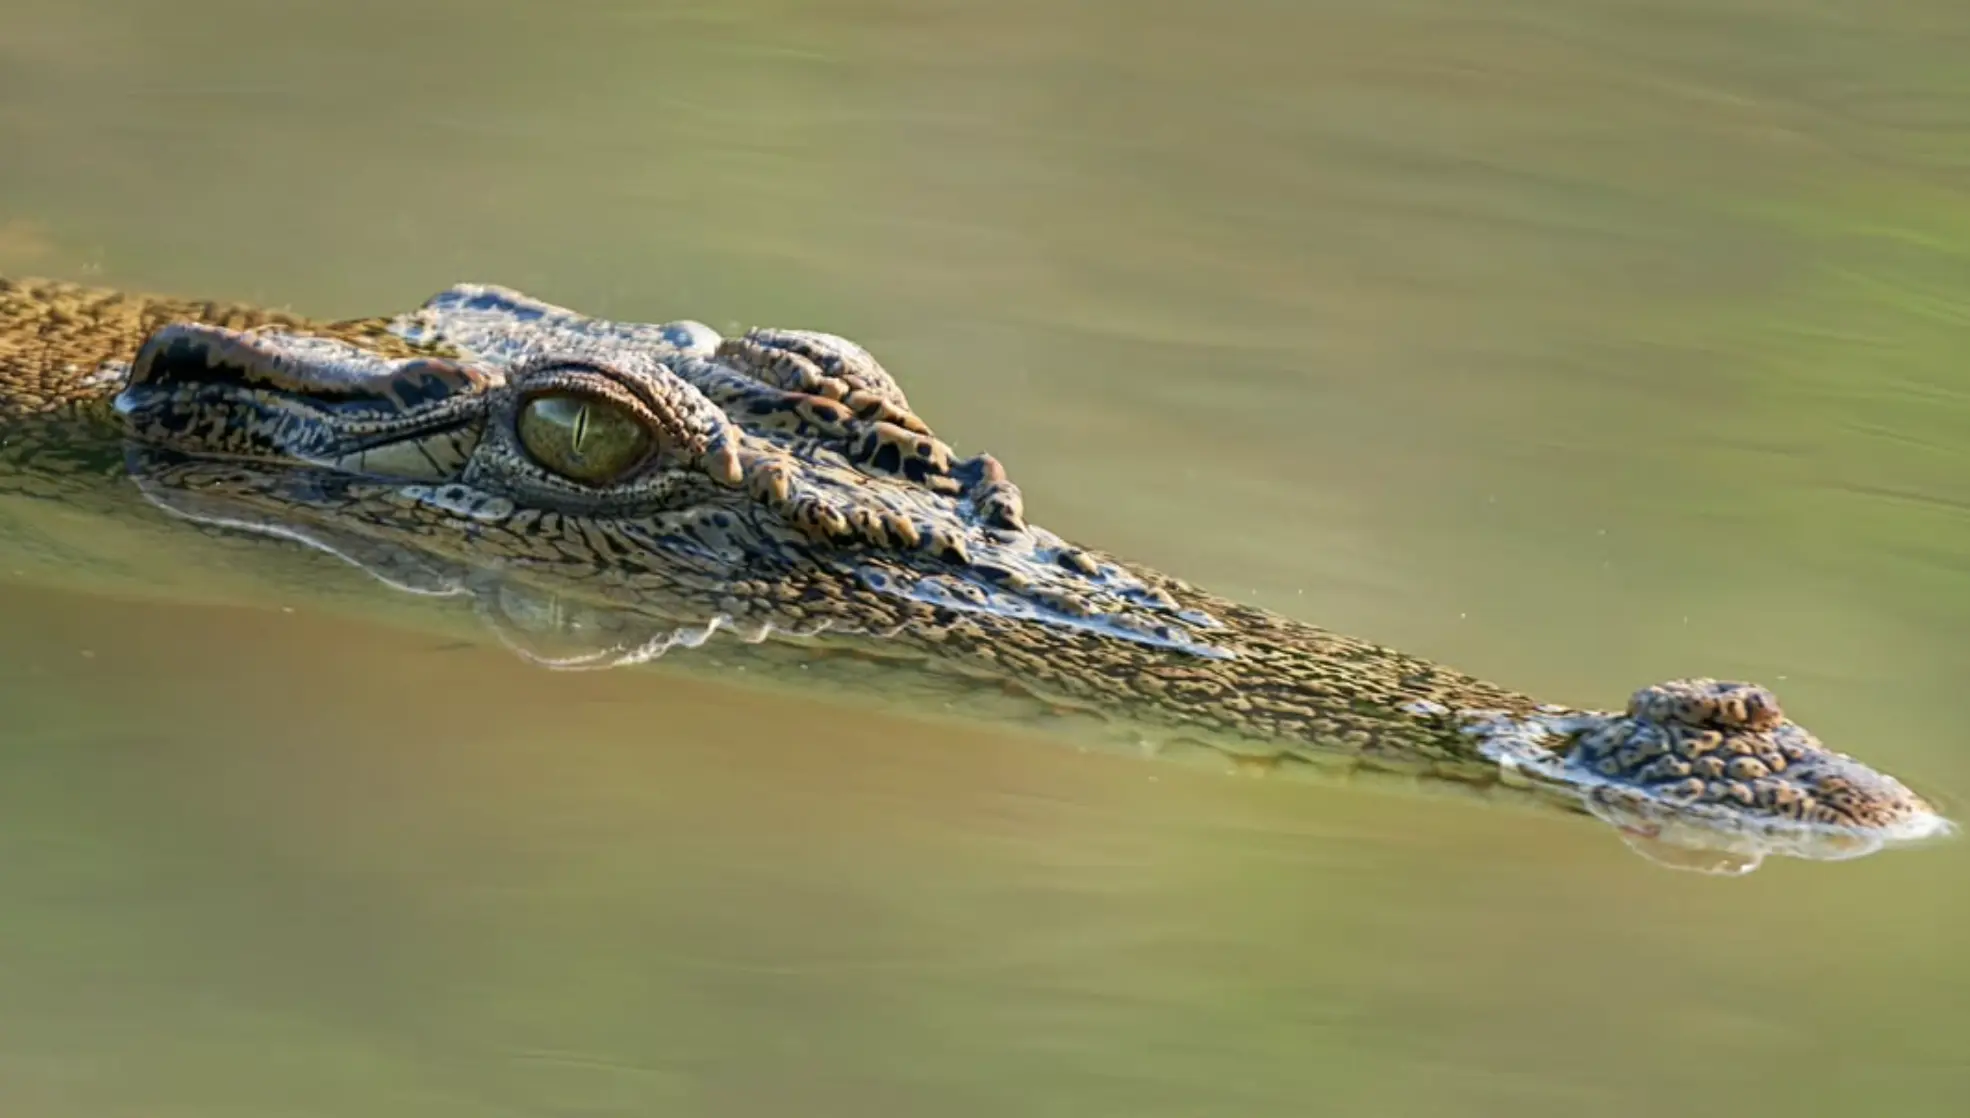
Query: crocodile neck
<point x="64" y="347"/>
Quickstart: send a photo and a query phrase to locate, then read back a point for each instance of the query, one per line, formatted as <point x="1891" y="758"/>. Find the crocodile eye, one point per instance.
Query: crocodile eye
<point x="581" y="438"/>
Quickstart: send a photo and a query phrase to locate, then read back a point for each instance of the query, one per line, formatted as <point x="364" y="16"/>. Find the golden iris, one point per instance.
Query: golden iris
<point x="580" y="438"/>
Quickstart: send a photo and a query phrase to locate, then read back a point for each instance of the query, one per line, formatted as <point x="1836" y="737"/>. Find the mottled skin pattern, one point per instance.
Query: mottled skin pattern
<point x="783" y="488"/>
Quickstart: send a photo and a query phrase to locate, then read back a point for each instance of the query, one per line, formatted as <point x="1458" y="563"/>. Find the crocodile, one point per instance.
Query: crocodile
<point x="609" y="491"/>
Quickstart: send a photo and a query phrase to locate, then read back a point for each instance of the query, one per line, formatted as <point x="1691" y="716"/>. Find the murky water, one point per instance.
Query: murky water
<point x="1575" y="344"/>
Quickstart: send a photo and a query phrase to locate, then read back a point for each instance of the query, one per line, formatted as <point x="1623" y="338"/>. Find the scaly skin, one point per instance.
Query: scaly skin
<point x="780" y="486"/>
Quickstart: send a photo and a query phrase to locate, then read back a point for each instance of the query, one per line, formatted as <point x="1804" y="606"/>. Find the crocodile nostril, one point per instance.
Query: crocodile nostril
<point x="1708" y="704"/>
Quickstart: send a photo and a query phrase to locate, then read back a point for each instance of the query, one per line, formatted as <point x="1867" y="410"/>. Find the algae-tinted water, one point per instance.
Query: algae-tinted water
<point x="1575" y="344"/>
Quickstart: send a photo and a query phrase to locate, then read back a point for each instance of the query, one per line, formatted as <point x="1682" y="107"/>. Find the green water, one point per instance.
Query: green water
<point x="1578" y="344"/>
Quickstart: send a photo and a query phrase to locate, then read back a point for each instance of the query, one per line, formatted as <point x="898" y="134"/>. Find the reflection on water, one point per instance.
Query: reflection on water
<point x="382" y="875"/>
<point x="1571" y="344"/>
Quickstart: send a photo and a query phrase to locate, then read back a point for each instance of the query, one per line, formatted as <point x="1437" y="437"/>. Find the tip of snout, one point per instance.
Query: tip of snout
<point x="1714" y="773"/>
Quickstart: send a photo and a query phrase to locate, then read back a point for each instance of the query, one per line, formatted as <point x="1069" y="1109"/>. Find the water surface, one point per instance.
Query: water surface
<point x="1575" y="344"/>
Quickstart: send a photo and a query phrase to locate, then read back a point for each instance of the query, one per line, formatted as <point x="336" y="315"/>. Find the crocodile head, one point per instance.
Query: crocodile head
<point x="608" y="491"/>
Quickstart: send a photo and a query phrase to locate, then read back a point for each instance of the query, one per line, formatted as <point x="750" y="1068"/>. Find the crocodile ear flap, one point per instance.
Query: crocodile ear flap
<point x="328" y="370"/>
<point x="183" y="354"/>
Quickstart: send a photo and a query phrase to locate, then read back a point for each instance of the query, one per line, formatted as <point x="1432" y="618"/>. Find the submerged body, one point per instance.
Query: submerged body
<point x="607" y="491"/>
